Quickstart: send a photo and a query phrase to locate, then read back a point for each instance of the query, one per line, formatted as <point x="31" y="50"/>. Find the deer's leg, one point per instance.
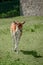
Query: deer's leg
<point x="13" y="40"/>
<point x="17" y="38"/>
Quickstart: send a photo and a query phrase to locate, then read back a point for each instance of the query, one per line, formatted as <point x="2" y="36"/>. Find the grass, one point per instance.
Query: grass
<point x="31" y="43"/>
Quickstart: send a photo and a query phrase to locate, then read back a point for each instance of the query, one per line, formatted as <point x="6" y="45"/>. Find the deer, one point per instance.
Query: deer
<point x="16" y="33"/>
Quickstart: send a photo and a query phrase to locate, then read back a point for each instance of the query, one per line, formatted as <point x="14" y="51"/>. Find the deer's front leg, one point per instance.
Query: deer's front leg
<point x="16" y="41"/>
<point x="13" y="41"/>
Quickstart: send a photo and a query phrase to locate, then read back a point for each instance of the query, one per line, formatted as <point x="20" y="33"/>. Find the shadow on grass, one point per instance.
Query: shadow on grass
<point x="33" y="53"/>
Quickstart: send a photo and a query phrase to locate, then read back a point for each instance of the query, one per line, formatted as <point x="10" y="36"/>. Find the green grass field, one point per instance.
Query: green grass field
<point x="30" y="45"/>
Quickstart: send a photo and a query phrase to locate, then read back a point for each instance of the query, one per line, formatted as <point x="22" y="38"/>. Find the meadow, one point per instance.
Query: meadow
<point x="30" y="45"/>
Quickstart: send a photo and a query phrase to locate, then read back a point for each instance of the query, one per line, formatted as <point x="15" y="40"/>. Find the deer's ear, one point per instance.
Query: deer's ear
<point x="23" y="22"/>
<point x="15" y="22"/>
